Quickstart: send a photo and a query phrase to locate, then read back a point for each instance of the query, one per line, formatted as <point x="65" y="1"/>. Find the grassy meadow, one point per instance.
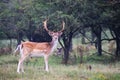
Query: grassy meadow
<point x="34" y="69"/>
<point x="102" y="68"/>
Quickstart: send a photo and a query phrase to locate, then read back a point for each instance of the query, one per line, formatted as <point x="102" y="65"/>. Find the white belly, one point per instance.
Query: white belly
<point x="37" y="53"/>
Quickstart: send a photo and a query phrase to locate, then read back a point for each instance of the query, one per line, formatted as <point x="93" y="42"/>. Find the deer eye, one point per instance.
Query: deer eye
<point x="50" y="33"/>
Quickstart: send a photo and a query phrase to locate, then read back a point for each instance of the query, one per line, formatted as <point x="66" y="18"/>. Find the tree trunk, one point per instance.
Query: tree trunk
<point x="83" y="38"/>
<point x="117" y="53"/>
<point x="92" y="37"/>
<point x="99" y="46"/>
<point x="66" y="55"/>
<point x="116" y="32"/>
<point x="19" y="37"/>
<point x="67" y="40"/>
<point x="97" y="30"/>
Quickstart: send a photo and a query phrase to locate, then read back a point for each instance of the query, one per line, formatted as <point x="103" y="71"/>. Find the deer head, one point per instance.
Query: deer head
<point x="54" y="35"/>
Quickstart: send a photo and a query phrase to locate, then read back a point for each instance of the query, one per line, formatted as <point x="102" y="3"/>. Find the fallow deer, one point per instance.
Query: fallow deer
<point x="33" y="49"/>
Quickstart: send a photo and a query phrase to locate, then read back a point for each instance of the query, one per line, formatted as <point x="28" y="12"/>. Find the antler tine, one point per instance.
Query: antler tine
<point x="45" y="25"/>
<point x="63" y="26"/>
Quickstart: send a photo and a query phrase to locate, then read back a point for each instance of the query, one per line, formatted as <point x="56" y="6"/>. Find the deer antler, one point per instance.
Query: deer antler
<point x="63" y="26"/>
<point x="45" y="25"/>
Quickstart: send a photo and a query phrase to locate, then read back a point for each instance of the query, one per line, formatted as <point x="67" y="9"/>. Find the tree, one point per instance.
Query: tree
<point x="26" y="17"/>
<point x="111" y="10"/>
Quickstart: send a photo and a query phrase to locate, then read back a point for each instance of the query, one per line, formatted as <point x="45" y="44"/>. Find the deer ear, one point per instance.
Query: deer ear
<point x="60" y="33"/>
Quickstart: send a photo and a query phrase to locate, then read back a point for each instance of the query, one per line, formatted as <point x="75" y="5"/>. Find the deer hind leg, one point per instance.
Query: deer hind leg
<point x="46" y="63"/>
<point x="20" y="64"/>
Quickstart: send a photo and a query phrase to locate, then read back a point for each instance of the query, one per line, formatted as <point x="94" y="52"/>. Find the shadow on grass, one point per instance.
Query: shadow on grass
<point x="7" y="59"/>
<point x="105" y="59"/>
<point x="8" y="62"/>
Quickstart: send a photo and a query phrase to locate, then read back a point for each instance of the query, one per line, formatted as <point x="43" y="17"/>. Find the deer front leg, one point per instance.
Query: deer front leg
<point x="18" y="68"/>
<point x="22" y="67"/>
<point x="46" y="63"/>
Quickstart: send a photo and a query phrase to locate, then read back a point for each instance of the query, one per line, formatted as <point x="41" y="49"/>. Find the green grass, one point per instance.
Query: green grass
<point x="34" y="69"/>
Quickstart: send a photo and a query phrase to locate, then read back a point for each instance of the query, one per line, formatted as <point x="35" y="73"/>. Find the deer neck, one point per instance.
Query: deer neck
<point x="53" y="44"/>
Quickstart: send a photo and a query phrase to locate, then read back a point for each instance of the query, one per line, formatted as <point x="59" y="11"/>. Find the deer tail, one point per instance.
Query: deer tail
<point x="18" y="49"/>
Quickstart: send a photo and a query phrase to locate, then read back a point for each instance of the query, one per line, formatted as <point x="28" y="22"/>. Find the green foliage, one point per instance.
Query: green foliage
<point x="75" y="13"/>
<point x="2" y="35"/>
